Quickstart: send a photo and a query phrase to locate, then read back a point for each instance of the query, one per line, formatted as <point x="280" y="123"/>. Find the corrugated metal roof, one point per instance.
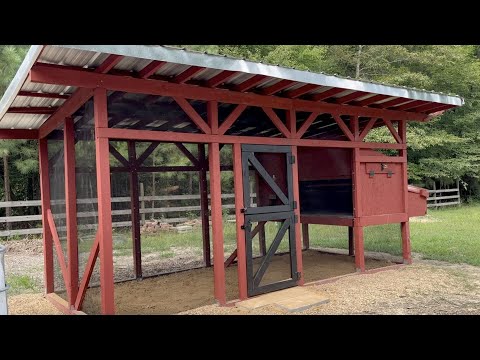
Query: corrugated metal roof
<point x="137" y="57"/>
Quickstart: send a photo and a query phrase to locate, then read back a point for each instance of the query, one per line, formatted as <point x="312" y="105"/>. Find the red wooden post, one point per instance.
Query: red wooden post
<point x="104" y="203"/>
<point x="357" y="212"/>
<point x="212" y="114"/>
<point x="239" y="220"/>
<point x="306" y="237"/>
<point x="359" y="253"/>
<point x="351" y="246"/>
<point x="298" y="235"/>
<point x="405" y="226"/>
<point x="47" y="235"/>
<point x="217" y="222"/>
<point x="71" y="208"/>
<point x="135" y="209"/>
<point x="202" y="177"/>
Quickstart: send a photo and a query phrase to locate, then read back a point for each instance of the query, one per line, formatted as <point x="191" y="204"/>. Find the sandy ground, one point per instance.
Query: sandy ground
<point x="427" y="287"/>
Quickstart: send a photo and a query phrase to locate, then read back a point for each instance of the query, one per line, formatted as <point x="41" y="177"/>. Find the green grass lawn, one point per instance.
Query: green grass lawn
<point x="449" y="234"/>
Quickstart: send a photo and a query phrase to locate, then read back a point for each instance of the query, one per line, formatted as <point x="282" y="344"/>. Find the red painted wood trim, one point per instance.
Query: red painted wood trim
<point x="231" y="258"/>
<point x="32" y="110"/>
<point x="292" y="122"/>
<point x="406" y="247"/>
<point x="393" y="102"/>
<point x="71" y="208"/>
<point x="327" y="94"/>
<point x="303" y="129"/>
<point x="250" y="83"/>
<point x="58" y="249"/>
<point x="61" y="305"/>
<point x="231" y="119"/>
<point x="151" y="69"/>
<point x="212" y="115"/>
<point x="350" y="97"/>
<point x="359" y="248"/>
<point x="239" y="217"/>
<point x="21" y="134"/>
<point x="382" y="159"/>
<point x="104" y="203"/>
<point x="47" y="235"/>
<point x="371" y="100"/>
<point x="392" y="130"/>
<point x="354" y="127"/>
<point x="367" y="128"/>
<point x="192" y="114"/>
<point x="43" y="95"/>
<point x="108" y="64"/>
<point x="277" y="122"/>
<point x="187" y="74"/>
<point x="305" y="237"/>
<point x="217" y="222"/>
<point x="440" y="108"/>
<point x="343" y="127"/>
<point x="166" y="136"/>
<point x="292" y="94"/>
<point x="85" y="79"/>
<point x="382" y="219"/>
<point x="411" y="105"/>
<point x="326" y="220"/>
<point x="298" y="230"/>
<point x="220" y="78"/>
<point x="279" y="86"/>
<point x="92" y="259"/>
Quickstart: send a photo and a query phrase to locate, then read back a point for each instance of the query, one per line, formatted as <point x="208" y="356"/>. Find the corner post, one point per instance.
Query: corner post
<point x="104" y="203"/>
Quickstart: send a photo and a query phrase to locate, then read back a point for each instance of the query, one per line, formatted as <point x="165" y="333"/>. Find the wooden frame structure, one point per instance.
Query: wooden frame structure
<point x="99" y="85"/>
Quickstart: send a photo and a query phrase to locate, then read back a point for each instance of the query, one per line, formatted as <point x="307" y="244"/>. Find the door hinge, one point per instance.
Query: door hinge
<point x="294" y="205"/>
<point x="298" y="275"/>
<point x="292" y="159"/>
<point x="295" y="218"/>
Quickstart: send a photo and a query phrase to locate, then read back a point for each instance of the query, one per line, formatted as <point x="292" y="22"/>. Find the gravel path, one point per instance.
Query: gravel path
<point x="422" y="288"/>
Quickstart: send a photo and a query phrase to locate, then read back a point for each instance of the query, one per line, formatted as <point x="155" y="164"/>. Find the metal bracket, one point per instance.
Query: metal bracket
<point x="298" y="275"/>
<point x="371" y="173"/>
<point x="243" y="210"/>
<point x="294" y="205"/>
<point x="295" y="218"/>
<point x="292" y="159"/>
<point x="389" y="174"/>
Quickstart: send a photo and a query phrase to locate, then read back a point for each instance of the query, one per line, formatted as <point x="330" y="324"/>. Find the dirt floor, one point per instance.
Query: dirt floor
<point x="174" y="293"/>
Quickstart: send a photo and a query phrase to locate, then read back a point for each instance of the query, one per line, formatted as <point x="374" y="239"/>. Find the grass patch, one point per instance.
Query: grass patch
<point x="449" y="234"/>
<point x="20" y="284"/>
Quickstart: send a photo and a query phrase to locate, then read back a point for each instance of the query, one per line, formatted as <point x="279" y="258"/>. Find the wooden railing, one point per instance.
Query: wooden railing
<point x="163" y="212"/>
<point x="444" y="197"/>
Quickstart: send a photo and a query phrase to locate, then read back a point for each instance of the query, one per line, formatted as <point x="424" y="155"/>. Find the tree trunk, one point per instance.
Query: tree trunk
<point x="6" y="183"/>
<point x="359" y="55"/>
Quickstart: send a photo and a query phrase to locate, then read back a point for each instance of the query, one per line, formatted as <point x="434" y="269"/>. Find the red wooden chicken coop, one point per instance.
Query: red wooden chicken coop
<point x="298" y="141"/>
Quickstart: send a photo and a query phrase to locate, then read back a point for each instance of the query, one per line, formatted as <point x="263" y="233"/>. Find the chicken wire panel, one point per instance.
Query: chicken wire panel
<point x="171" y="228"/>
<point x="56" y="173"/>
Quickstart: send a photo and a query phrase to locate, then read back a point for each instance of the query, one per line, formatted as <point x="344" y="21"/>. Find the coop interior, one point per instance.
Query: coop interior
<point x="160" y="186"/>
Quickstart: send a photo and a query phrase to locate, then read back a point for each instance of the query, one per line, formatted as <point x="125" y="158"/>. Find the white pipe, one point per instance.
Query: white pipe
<point x="3" y="287"/>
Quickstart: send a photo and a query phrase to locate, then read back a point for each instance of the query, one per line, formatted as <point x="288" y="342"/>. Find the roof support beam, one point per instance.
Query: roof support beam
<point x="367" y="128"/>
<point x="187" y="74"/>
<point x="18" y="134"/>
<point x="32" y="110"/>
<point x="394" y="132"/>
<point x="151" y="69"/>
<point x="250" y="83"/>
<point x="231" y="119"/>
<point x="306" y="124"/>
<point x="78" y="98"/>
<point x="345" y="129"/>
<point x="277" y="122"/>
<point x="410" y="105"/>
<point x="326" y="94"/>
<point x="86" y="79"/>
<point x="43" y="95"/>
<point x="292" y="94"/>
<point x="393" y="102"/>
<point x="279" y="86"/>
<point x="193" y="115"/>
<point x="350" y="97"/>
<point x="371" y="100"/>
<point x="220" y="78"/>
<point x="440" y="108"/>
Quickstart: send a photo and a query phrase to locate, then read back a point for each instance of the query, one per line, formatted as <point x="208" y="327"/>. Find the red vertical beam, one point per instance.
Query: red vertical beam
<point x="71" y="208"/>
<point x="135" y="209"/>
<point x="217" y="222"/>
<point x="292" y="123"/>
<point x="47" y="235"/>
<point x="296" y="197"/>
<point x="305" y="237"/>
<point x="202" y="176"/>
<point x="405" y="226"/>
<point x="357" y="212"/>
<point x="212" y="114"/>
<point x="104" y="203"/>
<point x="355" y="127"/>
<point x="239" y="205"/>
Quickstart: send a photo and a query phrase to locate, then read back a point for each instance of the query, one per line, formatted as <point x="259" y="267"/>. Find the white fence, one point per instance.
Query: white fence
<point x="444" y="197"/>
<point x="36" y="219"/>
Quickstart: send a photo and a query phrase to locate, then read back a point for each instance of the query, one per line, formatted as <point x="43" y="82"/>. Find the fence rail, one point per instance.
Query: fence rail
<point x="84" y="214"/>
<point x="444" y="197"/>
